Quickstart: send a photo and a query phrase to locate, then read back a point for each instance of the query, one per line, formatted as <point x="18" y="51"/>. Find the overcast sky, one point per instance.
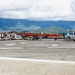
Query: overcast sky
<point x="38" y="9"/>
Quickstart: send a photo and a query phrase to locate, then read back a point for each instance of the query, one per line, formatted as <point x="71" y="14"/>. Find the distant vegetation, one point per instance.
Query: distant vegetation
<point x="36" y="26"/>
<point x="52" y="29"/>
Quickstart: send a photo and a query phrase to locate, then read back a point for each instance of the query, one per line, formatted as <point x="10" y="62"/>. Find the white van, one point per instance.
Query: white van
<point x="70" y="35"/>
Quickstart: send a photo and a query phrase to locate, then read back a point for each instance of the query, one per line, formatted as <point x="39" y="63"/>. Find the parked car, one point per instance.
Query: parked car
<point x="70" y="35"/>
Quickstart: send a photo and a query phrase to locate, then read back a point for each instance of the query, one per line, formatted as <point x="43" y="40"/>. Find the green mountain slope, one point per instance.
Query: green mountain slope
<point x="52" y="29"/>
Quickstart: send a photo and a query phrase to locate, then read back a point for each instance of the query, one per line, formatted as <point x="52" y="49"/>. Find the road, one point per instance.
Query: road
<point x="41" y="49"/>
<point x="42" y="57"/>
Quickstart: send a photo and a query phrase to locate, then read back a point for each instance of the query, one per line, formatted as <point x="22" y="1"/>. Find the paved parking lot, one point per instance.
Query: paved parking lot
<point x="42" y="57"/>
<point x="41" y="49"/>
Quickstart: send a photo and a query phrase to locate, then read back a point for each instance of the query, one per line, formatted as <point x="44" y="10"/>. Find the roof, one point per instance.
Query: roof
<point x="70" y="30"/>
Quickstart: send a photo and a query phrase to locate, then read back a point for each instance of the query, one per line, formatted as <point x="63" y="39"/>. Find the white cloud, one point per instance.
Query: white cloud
<point x="38" y="9"/>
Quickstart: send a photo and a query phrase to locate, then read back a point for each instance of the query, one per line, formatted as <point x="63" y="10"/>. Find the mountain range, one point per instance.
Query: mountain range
<point x="35" y="26"/>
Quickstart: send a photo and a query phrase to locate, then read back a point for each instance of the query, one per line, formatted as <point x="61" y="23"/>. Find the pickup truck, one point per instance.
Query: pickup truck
<point x="70" y="35"/>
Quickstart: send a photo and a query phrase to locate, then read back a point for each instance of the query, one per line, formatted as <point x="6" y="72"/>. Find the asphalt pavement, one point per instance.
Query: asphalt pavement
<point x="41" y="49"/>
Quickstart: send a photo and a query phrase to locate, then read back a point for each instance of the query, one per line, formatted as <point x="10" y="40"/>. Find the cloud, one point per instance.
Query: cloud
<point x="38" y="9"/>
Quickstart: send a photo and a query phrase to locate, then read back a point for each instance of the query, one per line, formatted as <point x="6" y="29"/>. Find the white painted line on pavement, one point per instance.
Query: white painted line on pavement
<point x="55" y="45"/>
<point x="23" y="43"/>
<point x="11" y="47"/>
<point x="60" y="47"/>
<point x="9" y="44"/>
<point x="38" y="60"/>
<point x="40" y="45"/>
